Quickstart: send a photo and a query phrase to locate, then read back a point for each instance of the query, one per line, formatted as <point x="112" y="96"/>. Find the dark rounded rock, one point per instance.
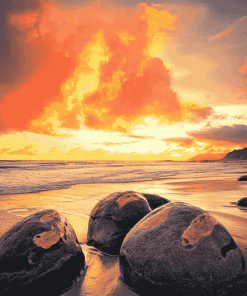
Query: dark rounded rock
<point x="155" y="200"/>
<point x="242" y="202"/>
<point x="113" y="217"/>
<point x="40" y="256"/>
<point x="242" y="178"/>
<point x="179" y="249"/>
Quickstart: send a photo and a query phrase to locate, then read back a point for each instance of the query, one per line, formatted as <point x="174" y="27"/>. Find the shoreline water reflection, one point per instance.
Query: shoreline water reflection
<point x="210" y="186"/>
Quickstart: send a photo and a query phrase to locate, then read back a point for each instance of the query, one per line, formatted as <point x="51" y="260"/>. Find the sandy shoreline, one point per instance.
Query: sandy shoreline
<point x="219" y="197"/>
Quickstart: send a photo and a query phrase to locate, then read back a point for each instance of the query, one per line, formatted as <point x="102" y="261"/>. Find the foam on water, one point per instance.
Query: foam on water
<point x="18" y="177"/>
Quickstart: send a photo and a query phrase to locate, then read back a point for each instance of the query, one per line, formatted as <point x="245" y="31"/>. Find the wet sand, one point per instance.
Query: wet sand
<point x="218" y="196"/>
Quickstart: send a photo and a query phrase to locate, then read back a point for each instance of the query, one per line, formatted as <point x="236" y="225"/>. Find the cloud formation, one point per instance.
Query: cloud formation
<point x="235" y="134"/>
<point x="27" y="150"/>
<point x="181" y="142"/>
<point x="94" y="66"/>
<point x="232" y="33"/>
<point x="138" y="137"/>
<point x="13" y="56"/>
<point x="243" y="68"/>
<point x="4" y="150"/>
<point x="108" y="144"/>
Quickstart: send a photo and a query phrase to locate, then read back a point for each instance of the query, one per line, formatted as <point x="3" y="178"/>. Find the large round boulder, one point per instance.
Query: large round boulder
<point x="40" y="256"/>
<point x="155" y="200"/>
<point x="243" y="178"/>
<point x="113" y="217"/>
<point x="180" y="249"/>
<point x="242" y="202"/>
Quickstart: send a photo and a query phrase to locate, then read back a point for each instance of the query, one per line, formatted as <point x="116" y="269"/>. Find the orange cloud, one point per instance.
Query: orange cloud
<point x="48" y="68"/>
<point x="139" y="137"/>
<point x="26" y="22"/>
<point x="4" y="150"/>
<point x="95" y="66"/>
<point x="181" y="142"/>
<point x="243" y="68"/>
<point x="27" y="150"/>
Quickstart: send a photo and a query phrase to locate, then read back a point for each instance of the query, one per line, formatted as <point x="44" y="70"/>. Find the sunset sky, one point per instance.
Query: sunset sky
<point x="122" y="80"/>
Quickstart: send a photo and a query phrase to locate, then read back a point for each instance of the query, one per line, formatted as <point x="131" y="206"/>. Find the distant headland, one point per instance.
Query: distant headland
<point x="240" y="154"/>
<point x="235" y="155"/>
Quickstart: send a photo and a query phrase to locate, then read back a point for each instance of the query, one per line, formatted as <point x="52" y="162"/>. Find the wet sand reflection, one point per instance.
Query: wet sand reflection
<point x="102" y="277"/>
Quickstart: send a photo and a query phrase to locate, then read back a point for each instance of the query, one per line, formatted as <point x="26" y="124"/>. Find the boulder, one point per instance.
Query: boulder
<point x="40" y="256"/>
<point x="243" y="178"/>
<point x="155" y="200"/>
<point x="113" y="217"/>
<point x="179" y="249"/>
<point x="242" y="202"/>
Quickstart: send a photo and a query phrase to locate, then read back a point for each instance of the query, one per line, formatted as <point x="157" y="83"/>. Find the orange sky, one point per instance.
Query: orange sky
<point x="122" y="82"/>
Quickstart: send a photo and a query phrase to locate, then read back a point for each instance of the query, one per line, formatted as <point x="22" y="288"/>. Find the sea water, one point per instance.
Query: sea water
<point x="20" y="177"/>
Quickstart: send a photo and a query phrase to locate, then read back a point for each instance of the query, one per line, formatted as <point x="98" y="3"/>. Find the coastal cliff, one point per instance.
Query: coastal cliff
<point x="240" y="154"/>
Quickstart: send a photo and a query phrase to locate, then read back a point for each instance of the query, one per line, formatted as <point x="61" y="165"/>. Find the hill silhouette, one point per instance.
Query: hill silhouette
<point x="240" y="154"/>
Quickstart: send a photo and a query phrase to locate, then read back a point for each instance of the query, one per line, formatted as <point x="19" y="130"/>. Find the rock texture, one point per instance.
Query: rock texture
<point x="242" y="202"/>
<point x="40" y="256"/>
<point x="179" y="249"/>
<point x="155" y="200"/>
<point x="113" y="217"/>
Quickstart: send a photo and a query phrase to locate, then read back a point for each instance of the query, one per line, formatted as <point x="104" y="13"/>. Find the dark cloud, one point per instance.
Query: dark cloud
<point x="236" y="134"/>
<point x="227" y="7"/>
<point x="232" y="33"/>
<point x="34" y="68"/>
<point x="12" y="58"/>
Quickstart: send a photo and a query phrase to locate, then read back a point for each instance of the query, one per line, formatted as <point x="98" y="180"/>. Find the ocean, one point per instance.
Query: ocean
<point x="74" y="187"/>
<point x="20" y="177"/>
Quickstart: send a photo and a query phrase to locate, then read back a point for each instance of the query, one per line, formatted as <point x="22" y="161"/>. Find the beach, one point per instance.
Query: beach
<point x="216" y="190"/>
<point x="118" y="98"/>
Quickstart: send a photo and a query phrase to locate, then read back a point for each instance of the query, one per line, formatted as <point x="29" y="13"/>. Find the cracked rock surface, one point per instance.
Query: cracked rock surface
<point x="179" y="249"/>
<point x="40" y="256"/>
